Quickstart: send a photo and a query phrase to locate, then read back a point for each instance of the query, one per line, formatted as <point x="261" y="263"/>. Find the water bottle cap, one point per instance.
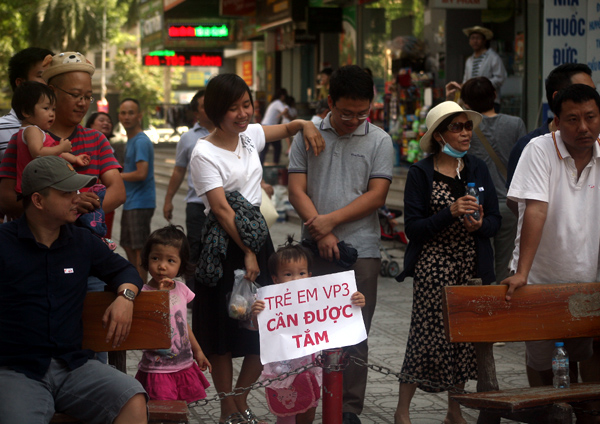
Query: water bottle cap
<point x="470" y="184"/>
<point x="559" y="344"/>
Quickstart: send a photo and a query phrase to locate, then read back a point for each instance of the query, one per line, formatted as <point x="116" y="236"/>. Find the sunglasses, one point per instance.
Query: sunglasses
<point x="457" y="127"/>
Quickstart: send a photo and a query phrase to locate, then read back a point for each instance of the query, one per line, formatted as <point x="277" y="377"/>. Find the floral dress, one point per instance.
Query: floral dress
<point x="449" y="259"/>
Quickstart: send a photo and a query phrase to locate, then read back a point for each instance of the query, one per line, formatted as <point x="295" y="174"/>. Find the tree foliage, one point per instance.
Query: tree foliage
<point x="59" y="25"/>
<point x="143" y="83"/>
<point x="12" y="28"/>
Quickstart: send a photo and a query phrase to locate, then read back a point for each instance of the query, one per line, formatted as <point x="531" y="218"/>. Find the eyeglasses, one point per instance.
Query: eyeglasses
<point x="351" y="116"/>
<point x="77" y="97"/>
<point x="457" y="127"/>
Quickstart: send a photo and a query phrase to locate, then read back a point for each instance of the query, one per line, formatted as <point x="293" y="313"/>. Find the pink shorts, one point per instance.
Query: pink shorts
<point x="302" y="395"/>
<point x="189" y="384"/>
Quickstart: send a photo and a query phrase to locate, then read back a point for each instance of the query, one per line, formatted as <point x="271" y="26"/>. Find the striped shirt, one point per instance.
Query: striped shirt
<point x="83" y="140"/>
<point x="9" y="125"/>
<point x="476" y="63"/>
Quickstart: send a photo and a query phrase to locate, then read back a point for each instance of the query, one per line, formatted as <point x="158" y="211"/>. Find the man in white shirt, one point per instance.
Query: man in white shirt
<point x="557" y="187"/>
<point x="275" y="111"/>
<point x="25" y="65"/>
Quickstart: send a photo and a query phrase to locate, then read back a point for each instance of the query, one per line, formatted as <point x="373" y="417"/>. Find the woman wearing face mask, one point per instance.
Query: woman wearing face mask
<point x="446" y="247"/>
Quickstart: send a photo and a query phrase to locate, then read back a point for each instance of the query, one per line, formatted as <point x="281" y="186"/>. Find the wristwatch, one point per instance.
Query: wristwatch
<point x="127" y="294"/>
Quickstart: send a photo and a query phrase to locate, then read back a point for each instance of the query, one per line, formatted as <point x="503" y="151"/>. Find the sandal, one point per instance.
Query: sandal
<point x="251" y="417"/>
<point x="235" y="418"/>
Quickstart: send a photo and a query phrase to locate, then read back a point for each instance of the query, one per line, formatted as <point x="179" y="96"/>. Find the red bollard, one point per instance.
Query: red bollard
<point x="332" y="387"/>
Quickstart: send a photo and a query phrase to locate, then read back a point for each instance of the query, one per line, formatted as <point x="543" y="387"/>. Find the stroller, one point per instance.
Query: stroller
<point x="388" y="224"/>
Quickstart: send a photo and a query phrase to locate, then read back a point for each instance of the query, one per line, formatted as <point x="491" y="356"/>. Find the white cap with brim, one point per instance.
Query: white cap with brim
<point x="437" y="115"/>
<point x="55" y="172"/>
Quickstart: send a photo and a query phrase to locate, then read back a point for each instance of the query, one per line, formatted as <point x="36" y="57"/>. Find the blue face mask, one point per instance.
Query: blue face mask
<point x="447" y="149"/>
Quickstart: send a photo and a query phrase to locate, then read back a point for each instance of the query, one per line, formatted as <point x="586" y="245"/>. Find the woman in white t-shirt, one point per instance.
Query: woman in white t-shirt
<point x="227" y="160"/>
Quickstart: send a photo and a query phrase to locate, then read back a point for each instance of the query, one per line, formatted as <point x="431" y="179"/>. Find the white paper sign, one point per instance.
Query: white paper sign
<point x="308" y="315"/>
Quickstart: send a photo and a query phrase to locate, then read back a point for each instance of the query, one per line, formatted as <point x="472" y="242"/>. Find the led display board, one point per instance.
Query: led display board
<point x="172" y="58"/>
<point x="199" y="31"/>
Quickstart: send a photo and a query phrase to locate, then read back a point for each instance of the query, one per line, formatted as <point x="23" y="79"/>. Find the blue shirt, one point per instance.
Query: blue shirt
<point x="42" y="291"/>
<point x="140" y="194"/>
<point x="517" y="150"/>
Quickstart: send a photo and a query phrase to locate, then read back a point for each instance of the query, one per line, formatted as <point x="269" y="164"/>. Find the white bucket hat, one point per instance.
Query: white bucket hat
<point x="438" y="114"/>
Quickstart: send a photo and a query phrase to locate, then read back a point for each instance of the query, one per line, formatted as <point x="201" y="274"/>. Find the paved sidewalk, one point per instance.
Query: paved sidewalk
<point x="387" y="342"/>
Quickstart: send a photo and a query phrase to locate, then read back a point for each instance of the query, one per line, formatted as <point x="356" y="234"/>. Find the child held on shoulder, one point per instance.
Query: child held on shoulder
<point x="172" y="374"/>
<point x="34" y="104"/>
<point x="295" y="398"/>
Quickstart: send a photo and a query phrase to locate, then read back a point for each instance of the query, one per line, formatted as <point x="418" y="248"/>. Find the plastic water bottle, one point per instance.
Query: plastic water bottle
<point x="472" y="191"/>
<point x="560" y="366"/>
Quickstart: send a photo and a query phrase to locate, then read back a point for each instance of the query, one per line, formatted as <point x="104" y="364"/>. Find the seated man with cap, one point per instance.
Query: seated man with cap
<point x="45" y="262"/>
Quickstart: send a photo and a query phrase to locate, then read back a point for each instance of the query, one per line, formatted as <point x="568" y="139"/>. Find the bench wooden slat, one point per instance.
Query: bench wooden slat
<point x="536" y="312"/>
<point x="150" y="327"/>
<point x="513" y="400"/>
<point x="168" y="410"/>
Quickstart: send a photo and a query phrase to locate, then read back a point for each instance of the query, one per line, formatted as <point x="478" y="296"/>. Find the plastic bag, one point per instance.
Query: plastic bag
<point x="242" y="297"/>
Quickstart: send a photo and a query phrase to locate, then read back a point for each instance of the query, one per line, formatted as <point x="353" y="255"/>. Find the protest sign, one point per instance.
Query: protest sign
<point x="308" y="315"/>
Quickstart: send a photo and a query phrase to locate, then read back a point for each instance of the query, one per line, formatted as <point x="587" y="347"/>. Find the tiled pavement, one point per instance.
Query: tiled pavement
<point x="387" y="342"/>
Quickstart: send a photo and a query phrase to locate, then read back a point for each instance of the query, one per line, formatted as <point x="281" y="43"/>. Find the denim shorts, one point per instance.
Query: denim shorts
<point x="93" y="392"/>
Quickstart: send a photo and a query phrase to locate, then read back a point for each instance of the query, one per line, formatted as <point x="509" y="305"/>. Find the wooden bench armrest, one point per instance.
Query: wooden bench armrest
<point x="150" y="328"/>
<point x="536" y="312"/>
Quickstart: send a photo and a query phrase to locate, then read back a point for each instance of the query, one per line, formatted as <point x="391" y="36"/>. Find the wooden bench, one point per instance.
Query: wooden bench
<point x="480" y="314"/>
<point x="150" y="329"/>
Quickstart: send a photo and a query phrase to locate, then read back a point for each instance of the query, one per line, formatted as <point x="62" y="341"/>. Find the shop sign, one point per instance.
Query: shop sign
<point x="247" y="72"/>
<point x="170" y="4"/>
<point x="198" y="78"/>
<point x="593" y="40"/>
<point x="151" y="24"/>
<point x="303" y="37"/>
<point x="459" y="4"/>
<point x="271" y="11"/>
<point x="237" y="7"/>
<point x="199" y="31"/>
<point x="171" y="58"/>
<point x="565" y="32"/>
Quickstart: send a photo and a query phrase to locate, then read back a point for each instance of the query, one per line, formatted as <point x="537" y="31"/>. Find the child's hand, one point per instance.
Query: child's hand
<point x="82" y="160"/>
<point x="166" y="284"/>
<point x="202" y="361"/>
<point x="358" y="299"/>
<point x="257" y="307"/>
<point x="65" y="145"/>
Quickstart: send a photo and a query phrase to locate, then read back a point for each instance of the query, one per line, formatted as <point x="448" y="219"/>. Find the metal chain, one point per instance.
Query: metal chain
<point x="407" y="377"/>
<point x="320" y="362"/>
<point x="259" y="384"/>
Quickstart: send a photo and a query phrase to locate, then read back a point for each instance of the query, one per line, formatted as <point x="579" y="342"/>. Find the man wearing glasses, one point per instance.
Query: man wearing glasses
<point x="70" y="75"/>
<point x="337" y="195"/>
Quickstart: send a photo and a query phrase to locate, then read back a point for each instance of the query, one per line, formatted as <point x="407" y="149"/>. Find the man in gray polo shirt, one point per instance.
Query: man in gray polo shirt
<point x="337" y="195"/>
